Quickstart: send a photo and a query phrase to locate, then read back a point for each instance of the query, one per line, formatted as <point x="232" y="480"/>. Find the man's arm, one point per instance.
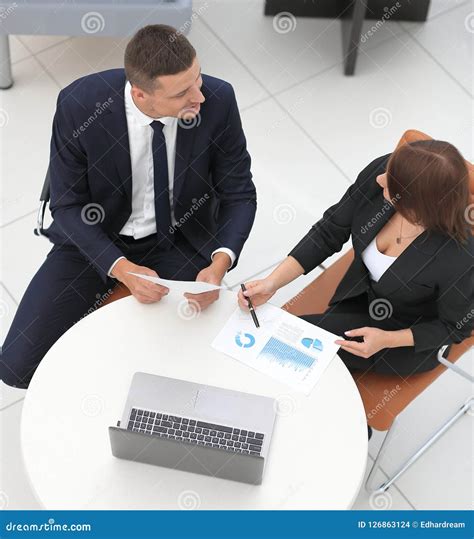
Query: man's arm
<point x="71" y="206"/>
<point x="233" y="183"/>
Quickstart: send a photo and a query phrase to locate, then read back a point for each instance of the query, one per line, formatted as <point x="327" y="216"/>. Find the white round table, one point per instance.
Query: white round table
<point x="318" y="452"/>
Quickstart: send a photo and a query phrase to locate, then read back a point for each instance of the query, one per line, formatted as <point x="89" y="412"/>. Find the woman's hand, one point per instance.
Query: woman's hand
<point x="258" y="291"/>
<point x="374" y="340"/>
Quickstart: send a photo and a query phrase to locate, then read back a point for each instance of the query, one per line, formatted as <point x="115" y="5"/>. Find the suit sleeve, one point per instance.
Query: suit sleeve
<point x="455" y="320"/>
<point x="71" y="206"/>
<point x="331" y="232"/>
<point x="233" y="183"/>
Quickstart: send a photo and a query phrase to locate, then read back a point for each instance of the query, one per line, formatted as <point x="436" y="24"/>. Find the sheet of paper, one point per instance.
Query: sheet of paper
<point x="284" y="347"/>
<point x="193" y="287"/>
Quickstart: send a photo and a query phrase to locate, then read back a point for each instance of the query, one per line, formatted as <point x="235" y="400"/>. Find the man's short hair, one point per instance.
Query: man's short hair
<point x="156" y="50"/>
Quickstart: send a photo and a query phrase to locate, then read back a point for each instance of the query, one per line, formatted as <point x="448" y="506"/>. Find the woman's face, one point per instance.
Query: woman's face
<point x="382" y="181"/>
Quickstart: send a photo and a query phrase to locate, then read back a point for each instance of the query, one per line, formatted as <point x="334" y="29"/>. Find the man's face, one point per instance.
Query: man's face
<point x="177" y="95"/>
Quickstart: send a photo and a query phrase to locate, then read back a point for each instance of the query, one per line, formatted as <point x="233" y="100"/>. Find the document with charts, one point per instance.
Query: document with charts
<point x="284" y="347"/>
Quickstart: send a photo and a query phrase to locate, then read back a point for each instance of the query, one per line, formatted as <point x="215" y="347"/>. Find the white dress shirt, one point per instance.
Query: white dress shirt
<point x="142" y="220"/>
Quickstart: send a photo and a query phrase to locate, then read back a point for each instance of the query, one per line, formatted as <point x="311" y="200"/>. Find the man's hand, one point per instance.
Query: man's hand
<point x="374" y="340"/>
<point x="144" y="291"/>
<point x="212" y="274"/>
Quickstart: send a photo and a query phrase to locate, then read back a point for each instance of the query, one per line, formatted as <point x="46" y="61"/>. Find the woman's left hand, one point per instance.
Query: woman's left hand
<point x="374" y="340"/>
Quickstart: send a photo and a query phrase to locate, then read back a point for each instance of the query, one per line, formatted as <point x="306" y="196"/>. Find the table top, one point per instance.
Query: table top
<point x="318" y="451"/>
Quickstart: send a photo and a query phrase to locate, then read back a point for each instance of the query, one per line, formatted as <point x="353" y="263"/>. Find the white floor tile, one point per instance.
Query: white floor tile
<point x="15" y="488"/>
<point x="449" y="40"/>
<point x="24" y="251"/>
<point x="295" y="184"/>
<point x="447" y="466"/>
<point x="358" y="119"/>
<point x="17" y="50"/>
<point x="281" y="53"/>
<point x="26" y="115"/>
<point x="38" y="43"/>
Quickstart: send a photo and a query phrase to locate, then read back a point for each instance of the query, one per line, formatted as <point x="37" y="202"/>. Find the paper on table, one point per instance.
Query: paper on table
<point x="192" y="287"/>
<point x="284" y="347"/>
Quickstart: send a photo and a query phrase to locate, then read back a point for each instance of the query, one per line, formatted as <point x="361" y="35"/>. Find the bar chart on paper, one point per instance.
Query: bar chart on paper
<point x="276" y="352"/>
<point x="285" y="347"/>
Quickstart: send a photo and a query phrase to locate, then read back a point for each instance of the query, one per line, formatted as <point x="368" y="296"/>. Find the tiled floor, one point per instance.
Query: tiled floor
<point x="310" y="130"/>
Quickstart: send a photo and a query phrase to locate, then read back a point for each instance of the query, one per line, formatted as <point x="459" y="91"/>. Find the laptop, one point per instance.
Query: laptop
<point x="194" y="427"/>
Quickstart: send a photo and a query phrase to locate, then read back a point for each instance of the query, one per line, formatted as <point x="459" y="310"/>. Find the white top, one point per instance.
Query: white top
<point x="318" y="452"/>
<point x="142" y="221"/>
<point x="377" y="263"/>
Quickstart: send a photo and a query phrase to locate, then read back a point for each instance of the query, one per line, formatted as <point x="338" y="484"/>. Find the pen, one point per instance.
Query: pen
<point x="251" y="309"/>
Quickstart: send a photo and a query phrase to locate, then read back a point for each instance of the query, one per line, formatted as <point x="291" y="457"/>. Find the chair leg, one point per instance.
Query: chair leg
<point x="433" y="439"/>
<point x="6" y="80"/>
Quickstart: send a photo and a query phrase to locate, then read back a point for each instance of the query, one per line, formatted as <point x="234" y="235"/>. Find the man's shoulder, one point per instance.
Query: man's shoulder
<point x="212" y="87"/>
<point x="94" y="88"/>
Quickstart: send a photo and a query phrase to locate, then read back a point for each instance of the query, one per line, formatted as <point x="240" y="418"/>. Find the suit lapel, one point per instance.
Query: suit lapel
<point x="115" y="125"/>
<point x="184" y="144"/>
<point x="410" y="262"/>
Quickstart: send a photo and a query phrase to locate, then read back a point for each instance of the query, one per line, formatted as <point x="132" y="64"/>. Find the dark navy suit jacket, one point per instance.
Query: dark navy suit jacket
<point x="91" y="179"/>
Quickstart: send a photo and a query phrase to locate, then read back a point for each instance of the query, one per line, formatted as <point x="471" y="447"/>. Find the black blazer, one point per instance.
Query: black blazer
<point x="430" y="286"/>
<point x="214" y="197"/>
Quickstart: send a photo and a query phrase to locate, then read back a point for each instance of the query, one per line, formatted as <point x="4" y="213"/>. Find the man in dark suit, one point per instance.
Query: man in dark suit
<point x="149" y="174"/>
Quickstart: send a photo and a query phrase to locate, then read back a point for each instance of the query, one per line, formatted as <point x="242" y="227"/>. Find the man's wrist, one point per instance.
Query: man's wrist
<point x="221" y="262"/>
<point x="119" y="269"/>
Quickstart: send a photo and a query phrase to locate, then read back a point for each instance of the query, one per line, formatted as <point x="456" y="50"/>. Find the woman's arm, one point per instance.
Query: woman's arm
<point x="333" y="230"/>
<point x="262" y="290"/>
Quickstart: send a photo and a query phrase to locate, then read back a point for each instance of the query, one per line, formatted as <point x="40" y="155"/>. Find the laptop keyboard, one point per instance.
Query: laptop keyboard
<point x="196" y="432"/>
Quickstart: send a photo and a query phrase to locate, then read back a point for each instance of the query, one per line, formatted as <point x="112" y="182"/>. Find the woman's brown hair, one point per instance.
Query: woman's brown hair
<point x="428" y="182"/>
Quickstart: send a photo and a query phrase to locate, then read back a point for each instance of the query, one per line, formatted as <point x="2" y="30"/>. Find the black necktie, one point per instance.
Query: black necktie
<point x="162" y="198"/>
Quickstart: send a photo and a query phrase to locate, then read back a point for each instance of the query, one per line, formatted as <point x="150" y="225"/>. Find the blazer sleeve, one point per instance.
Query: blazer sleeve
<point x="71" y="205"/>
<point x="455" y="320"/>
<point x="331" y="232"/>
<point x="232" y="180"/>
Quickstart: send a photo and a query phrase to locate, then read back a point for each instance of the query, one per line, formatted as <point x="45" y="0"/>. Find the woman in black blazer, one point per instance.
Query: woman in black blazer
<point x="410" y="288"/>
